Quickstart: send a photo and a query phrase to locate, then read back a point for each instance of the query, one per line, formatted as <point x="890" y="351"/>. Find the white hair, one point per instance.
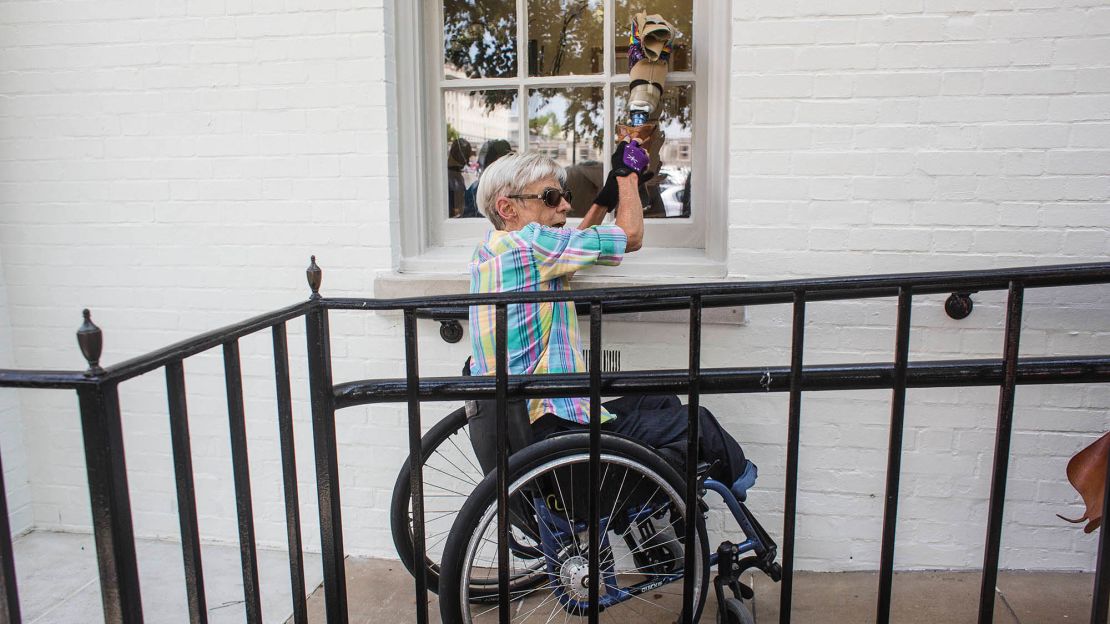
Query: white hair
<point x="509" y="175"/>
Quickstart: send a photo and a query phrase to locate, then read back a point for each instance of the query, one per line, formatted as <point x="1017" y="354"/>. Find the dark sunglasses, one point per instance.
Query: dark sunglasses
<point x="552" y="197"/>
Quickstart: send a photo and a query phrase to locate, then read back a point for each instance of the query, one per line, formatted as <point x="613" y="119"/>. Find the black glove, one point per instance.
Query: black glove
<point x="609" y="196"/>
<point x="618" y="165"/>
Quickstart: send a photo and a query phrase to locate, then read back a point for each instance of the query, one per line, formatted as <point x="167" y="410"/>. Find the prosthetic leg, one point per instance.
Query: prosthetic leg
<point x="649" y="53"/>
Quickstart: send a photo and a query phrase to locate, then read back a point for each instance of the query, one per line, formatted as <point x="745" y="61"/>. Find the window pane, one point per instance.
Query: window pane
<point x="565" y="37"/>
<point x="568" y="125"/>
<point x="481" y="127"/>
<point x="668" y="193"/>
<point x="680" y="14"/>
<point x="479" y="38"/>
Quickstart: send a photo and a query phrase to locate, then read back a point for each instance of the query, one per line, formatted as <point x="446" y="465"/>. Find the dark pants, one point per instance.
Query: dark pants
<point x="659" y="421"/>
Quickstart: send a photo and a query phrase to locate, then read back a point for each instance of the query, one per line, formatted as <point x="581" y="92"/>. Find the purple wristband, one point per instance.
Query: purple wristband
<point x="636" y="158"/>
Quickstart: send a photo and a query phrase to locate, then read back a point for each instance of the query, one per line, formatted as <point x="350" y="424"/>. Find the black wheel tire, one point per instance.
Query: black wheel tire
<point x="454" y="557"/>
<point x="734" y="611"/>
<point x="402" y="497"/>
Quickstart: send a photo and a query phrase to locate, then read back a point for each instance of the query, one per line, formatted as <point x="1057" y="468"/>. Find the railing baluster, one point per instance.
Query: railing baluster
<point x="894" y="453"/>
<point x="793" y="432"/>
<point x="1001" y="452"/>
<point x="289" y="473"/>
<point x="692" y="434"/>
<point x="502" y="337"/>
<point x="9" y="598"/>
<point x="111" y="504"/>
<point x="595" y="459"/>
<point x="416" y="466"/>
<point x="186" y="492"/>
<point x="244" y="510"/>
<point x="1100" y="600"/>
<point x="327" y="463"/>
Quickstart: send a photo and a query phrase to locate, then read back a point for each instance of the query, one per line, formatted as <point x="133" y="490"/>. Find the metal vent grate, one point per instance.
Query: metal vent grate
<point x="610" y="360"/>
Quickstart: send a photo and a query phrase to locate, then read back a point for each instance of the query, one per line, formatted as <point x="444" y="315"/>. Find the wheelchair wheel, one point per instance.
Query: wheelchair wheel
<point x="451" y="472"/>
<point x="642" y="545"/>
<point x="734" y="611"/>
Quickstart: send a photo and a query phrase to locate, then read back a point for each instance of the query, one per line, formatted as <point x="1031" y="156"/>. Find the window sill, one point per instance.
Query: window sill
<point x="442" y="271"/>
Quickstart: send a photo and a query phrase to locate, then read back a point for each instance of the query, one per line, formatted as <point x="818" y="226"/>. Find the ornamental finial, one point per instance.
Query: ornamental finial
<point x="315" y="277"/>
<point x="91" y="341"/>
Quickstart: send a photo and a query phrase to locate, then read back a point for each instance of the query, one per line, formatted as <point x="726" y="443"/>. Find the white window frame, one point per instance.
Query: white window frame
<point x="432" y="243"/>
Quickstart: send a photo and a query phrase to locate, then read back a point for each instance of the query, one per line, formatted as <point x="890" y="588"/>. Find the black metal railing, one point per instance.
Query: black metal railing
<point x="97" y="390"/>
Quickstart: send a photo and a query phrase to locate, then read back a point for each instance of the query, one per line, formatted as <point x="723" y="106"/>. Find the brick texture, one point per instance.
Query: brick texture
<point x="923" y="136"/>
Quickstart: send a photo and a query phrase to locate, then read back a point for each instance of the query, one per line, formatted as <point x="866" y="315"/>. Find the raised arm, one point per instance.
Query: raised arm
<point x="630" y="213"/>
<point x="621" y="192"/>
<point x="594" y="216"/>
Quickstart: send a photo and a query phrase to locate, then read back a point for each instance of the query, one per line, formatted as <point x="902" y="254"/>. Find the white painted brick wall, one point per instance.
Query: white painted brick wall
<point x="878" y="137"/>
<point x="12" y="446"/>
<point x="172" y="167"/>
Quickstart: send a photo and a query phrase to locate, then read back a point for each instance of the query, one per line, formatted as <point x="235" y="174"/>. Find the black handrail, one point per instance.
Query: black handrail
<point x="823" y="377"/>
<point x="714" y="294"/>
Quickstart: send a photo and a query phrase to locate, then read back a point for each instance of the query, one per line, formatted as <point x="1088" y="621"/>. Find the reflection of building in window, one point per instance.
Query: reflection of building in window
<point x="676" y="152"/>
<point x="468" y="114"/>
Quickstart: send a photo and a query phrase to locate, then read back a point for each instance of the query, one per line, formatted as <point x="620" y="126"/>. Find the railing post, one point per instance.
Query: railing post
<point x="595" y="462"/>
<point x="501" y="335"/>
<point x="9" y="592"/>
<point x="289" y="473"/>
<point x="1100" y="599"/>
<point x="102" y="433"/>
<point x="794" y="426"/>
<point x="327" y="461"/>
<point x="186" y="492"/>
<point x="240" y="468"/>
<point x="1001" y="452"/>
<point x="111" y="504"/>
<point x="416" y="466"/>
<point x="894" y="453"/>
<point x="692" y="439"/>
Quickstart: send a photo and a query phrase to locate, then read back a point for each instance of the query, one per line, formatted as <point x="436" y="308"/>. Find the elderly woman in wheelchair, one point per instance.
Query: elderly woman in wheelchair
<point x="642" y="533"/>
<point x="643" y="526"/>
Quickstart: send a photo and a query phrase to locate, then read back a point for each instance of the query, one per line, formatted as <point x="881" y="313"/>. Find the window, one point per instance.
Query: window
<point x="489" y="76"/>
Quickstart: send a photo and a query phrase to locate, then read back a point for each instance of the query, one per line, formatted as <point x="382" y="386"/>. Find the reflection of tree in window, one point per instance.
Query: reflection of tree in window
<point x="480" y="37"/>
<point x="564" y="37"/>
<point x="583" y="120"/>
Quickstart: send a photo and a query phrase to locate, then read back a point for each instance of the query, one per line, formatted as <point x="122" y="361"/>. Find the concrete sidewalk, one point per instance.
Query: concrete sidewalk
<point x="382" y="591"/>
<point x="58" y="581"/>
<point x="58" y="584"/>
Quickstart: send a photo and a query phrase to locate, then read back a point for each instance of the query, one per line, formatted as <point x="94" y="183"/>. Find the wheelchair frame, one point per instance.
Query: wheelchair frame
<point x="555" y="531"/>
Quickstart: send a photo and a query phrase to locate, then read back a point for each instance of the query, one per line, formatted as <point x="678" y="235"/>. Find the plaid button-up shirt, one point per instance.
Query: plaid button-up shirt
<point x="543" y="337"/>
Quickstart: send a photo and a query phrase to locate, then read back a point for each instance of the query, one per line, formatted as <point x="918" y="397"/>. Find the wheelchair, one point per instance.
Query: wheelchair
<point x="642" y="534"/>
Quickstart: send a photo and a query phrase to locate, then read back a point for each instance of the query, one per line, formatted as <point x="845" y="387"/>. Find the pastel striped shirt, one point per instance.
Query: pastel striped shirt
<point x="543" y="337"/>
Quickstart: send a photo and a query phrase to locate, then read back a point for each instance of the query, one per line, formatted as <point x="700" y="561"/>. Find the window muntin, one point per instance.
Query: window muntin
<point x="573" y="97"/>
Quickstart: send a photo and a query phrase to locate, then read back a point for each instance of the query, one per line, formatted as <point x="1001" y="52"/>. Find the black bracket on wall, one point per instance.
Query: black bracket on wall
<point x="959" y="304"/>
<point x="450" y="330"/>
